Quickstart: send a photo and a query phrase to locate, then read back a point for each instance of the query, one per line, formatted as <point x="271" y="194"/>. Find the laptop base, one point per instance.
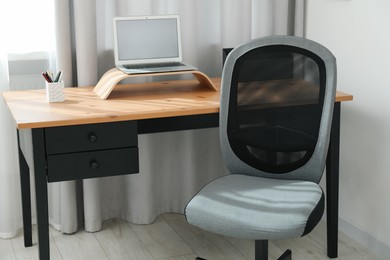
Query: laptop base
<point x="155" y="69"/>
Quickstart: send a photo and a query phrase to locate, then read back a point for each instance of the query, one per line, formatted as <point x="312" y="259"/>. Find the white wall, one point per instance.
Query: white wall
<point x="358" y="34"/>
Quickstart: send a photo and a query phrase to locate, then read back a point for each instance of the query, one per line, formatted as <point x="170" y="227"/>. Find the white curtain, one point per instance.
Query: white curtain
<point x="16" y="41"/>
<point x="10" y="205"/>
<point x="173" y="165"/>
<point x="10" y="210"/>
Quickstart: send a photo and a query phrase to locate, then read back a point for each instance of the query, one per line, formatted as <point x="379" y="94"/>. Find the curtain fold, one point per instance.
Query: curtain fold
<point x="173" y="165"/>
<point x="64" y="44"/>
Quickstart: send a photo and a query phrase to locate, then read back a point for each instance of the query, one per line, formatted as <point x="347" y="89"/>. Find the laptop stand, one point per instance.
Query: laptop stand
<point x="112" y="77"/>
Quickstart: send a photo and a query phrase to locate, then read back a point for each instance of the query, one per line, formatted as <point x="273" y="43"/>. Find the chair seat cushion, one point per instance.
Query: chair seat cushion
<point x="257" y="208"/>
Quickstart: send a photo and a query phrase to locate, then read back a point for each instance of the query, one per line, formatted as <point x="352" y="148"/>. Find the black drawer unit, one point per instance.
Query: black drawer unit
<point x="73" y="166"/>
<point x="69" y="139"/>
<point x="91" y="151"/>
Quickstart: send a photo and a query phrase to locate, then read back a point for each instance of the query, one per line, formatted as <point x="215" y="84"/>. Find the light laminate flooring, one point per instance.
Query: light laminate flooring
<point x="171" y="237"/>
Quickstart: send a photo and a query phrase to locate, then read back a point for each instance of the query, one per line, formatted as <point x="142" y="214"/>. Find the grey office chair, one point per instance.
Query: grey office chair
<point x="277" y="97"/>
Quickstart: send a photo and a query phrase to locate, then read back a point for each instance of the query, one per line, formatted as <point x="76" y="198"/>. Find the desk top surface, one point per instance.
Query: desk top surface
<point x="126" y="102"/>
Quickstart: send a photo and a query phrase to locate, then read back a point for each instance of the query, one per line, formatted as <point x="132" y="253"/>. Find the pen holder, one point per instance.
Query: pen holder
<point x="55" y="91"/>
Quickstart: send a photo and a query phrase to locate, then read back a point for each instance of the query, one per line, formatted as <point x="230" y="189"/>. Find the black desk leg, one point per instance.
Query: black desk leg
<point x="332" y="184"/>
<point x="26" y="197"/>
<point x="41" y="193"/>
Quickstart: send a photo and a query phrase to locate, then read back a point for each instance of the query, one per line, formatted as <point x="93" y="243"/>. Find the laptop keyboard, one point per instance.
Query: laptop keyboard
<point x="153" y="65"/>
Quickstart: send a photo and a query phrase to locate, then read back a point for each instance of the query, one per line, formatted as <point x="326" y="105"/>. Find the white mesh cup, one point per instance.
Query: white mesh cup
<point x="55" y="91"/>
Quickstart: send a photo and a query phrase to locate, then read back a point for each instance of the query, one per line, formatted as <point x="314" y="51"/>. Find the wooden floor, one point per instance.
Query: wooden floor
<point x="170" y="237"/>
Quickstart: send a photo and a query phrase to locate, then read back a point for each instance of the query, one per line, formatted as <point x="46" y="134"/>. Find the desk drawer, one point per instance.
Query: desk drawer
<point x="94" y="164"/>
<point x="91" y="137"/>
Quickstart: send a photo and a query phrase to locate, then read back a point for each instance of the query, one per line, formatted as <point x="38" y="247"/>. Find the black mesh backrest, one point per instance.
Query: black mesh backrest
<point x="275" y="107"/>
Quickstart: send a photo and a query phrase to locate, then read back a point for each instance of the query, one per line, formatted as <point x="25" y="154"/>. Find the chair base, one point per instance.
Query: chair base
<point x="261" y="252"/>
<point x="286" y="255"/>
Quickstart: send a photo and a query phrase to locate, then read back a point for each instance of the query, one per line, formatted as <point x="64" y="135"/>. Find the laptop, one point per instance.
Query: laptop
<point x="148" y="44"/>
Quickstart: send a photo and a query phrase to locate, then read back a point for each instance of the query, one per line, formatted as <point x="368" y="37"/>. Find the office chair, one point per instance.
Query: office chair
<point x="277" y="97"/>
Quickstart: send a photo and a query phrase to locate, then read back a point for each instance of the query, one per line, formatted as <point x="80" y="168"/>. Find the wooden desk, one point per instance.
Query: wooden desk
<point x="131" y="110"/>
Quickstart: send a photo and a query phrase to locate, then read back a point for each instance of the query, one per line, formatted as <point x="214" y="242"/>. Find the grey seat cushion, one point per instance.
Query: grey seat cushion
<point x="257" y="208"/>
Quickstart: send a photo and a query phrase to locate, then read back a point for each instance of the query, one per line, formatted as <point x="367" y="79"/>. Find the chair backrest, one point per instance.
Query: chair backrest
<point x="277" y="98"/>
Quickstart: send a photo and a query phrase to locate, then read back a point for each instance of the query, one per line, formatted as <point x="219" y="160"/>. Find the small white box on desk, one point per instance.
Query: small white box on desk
<point x="55" y="91"/>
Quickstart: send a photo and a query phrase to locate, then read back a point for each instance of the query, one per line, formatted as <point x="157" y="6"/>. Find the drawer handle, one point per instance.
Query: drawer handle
<point x="94" y="165"/>
<point x="92" y="138"/>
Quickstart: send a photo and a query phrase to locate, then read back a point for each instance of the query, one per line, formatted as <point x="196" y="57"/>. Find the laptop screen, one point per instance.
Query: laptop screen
<point x="146" y="39"/>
